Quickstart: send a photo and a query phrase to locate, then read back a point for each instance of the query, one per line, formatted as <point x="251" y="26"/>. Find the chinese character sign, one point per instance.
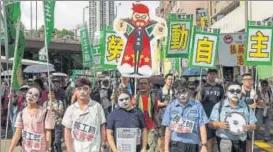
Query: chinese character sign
<point x="111" y="46"/>
<point x="231" y="49"/>
<point x="87" y="55"/>
<point x="179" y="35"/>
<point x="97" y="55"/>
<point x="259" y="43"/>
<point x="139" y="33"/>
<point x="204" y="47"/>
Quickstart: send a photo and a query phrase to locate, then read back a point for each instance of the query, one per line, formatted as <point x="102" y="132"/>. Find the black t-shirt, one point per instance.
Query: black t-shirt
<point x="210" y="95"/>
<point x="163" y="97"/>
<point x="121" y="118"/>
<point x="246" y="97"/>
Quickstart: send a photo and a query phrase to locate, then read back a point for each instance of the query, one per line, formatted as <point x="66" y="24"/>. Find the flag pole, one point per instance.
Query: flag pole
<point x="6" y="38"/>
<point x="12" y="77"/>
<point x="1" y="77"/>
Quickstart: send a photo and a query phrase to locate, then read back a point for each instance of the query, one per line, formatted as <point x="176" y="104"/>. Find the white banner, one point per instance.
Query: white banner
<point x="230" y="46"/>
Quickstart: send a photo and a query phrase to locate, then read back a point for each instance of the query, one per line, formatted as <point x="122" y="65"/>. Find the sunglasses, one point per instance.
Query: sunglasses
<point x="123" y="99"/>
<point x="233" y="91"/>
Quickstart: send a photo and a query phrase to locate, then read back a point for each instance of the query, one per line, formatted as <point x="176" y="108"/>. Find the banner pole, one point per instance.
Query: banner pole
<point x="1" y="76"/>
<point x="255" y="85"/>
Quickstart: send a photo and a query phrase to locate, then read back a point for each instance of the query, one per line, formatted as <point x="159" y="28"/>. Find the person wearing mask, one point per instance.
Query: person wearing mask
<point x="18" y="104"/>
<point x="44" y="93"/>
<point x="105" y="95"/>
<point x="84" y="122"/>
<point x="264" y="111"/>
<point x="126" y="117"/>
<point x="252" y="99"/>
<point x="210" y="94"/>
<point x="164" y="96"/>
<point x="228" y="141"/>
<point x="34" y="124"/>
<point x="185" y="121"/>
<point x="147" y="103"/>
<point x="56" y="106"/>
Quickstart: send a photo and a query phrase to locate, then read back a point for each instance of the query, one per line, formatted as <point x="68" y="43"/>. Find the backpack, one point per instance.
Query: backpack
<point x="21" y="116"/>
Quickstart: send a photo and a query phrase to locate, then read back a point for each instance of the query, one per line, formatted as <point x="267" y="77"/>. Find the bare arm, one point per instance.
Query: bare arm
<point x="144" y="138"/>
<point x="203" y="133"/>
<point x="167" y="139"/>
<point x="48" y="139"/>
<point x="111" y="141"/>
<point x="102" y="134"/>
<point x="160" y="104"/>
<point x="15" y="139"/>
<point x="68" y="139"/>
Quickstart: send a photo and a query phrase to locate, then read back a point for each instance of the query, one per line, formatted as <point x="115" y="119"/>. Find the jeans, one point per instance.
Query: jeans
<point x="56" y="143"/>
<point x="12" y="118"/>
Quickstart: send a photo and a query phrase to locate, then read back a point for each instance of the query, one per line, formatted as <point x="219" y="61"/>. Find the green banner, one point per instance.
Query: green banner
<point x="12" y="15"/>
<point x="97" y="57"/>
<point x="2" y="32"/>
<point x="49" y="7"/>
<point x="87" y="55"/>
<point x="259" y="43"/>
<point x="264" y="72"/>
<point x="204" y="47"/>
<point x="84" y="73"/>
<point x="111" y="46"/>
<point x="179" y="35"/>
<point x="17" y="75"/>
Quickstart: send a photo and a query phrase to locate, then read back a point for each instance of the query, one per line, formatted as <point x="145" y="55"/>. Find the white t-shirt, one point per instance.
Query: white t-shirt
<point x="85" y="126"/>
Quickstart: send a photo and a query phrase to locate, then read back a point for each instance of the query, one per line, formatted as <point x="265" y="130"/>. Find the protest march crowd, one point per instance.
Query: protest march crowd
<point x="179" y="116"/>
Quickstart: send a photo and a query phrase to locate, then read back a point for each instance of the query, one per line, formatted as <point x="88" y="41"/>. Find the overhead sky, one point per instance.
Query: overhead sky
<point x="68" y="14"/>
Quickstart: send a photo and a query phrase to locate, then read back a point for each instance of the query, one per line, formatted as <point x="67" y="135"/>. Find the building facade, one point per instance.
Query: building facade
<point x="230" y="16"/>
<point x="101" y="13"/>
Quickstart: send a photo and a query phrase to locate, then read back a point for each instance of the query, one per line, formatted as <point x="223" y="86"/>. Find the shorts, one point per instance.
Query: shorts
<point x="177" y="146"/>
<point x="231" y="145"/>
<point x="211" y="133"/>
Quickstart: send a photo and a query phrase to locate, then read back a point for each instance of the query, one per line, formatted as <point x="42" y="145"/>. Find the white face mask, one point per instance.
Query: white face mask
<point x="124" y="101"/>
<point x="33" y="95"/>
<point x="234" y="92"/>
<point x="182" y="95"/>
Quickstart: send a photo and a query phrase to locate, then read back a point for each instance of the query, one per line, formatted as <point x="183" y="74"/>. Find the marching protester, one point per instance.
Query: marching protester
<point x="232" y="135"/>
<point x="185" y="121"/>
<point x="84" y="121"/>
<point x="33" y="124"/>
<point x="251" y="98"/>
<point x="211" y="93"/>
<point x="164" y="96"/>
<point x="105" y="96"/>
<point x="264" y="111"/>
<point x="126" y="118"/>
<point x="18" y="104"/>
<point x="146" y="101"/>
<point x="57" y="108"/>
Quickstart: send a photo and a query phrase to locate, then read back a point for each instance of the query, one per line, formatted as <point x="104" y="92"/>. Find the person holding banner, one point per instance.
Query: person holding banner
<point x="233" y="119"/>
<point x="252" y="99"/>
<point x="126" y="126"/>
<point x="84" y="122"/>
<point x="33" y="125"/>
<point x="185" y="121"/>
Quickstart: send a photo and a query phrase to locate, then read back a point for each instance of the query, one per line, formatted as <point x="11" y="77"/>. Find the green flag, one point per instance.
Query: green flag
<point x="17" y="76"/>
<point x="12" y="14"/>
<point x="2" y="32"/>
<point x="49" y="6"/>
<point x="87" y="56"/>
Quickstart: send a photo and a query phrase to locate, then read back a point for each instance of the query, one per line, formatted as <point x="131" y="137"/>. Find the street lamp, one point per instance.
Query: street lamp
<point x="119" y="4"/>
<point x="83" y="14"/>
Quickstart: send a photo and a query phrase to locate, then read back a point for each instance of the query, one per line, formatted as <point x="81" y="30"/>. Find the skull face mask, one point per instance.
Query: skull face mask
<point x="32" y="95"/>
<point x="234" y="92"/>
<point x="181" y="91"/>
<point x="124" y="101"/>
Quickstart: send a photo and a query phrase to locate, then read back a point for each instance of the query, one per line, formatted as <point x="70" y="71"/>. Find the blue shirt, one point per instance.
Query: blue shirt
<point x="226" y="109"/>
<point x="193" y="111"/>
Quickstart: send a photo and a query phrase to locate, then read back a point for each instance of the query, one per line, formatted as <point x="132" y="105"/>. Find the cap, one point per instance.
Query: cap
<point x="24" y="87"/>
